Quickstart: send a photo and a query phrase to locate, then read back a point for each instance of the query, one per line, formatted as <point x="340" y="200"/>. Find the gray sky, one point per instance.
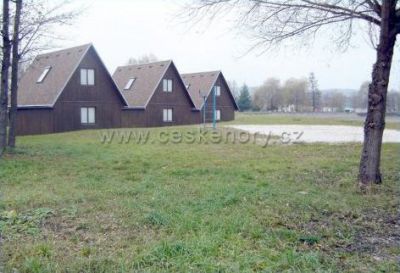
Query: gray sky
<point x="120" y="29"/>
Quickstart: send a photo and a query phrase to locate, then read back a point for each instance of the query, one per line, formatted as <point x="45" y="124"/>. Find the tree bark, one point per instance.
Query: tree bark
<point x="5" y="65"/>
<point x="14" y="74"/>
<point x="369" y="171"/>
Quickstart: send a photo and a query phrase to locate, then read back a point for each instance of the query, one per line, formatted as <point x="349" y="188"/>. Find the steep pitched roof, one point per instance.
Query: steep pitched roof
<point x="62" y="64"/>
<point x="200" y="84"/>
<point x="147" y="78"/>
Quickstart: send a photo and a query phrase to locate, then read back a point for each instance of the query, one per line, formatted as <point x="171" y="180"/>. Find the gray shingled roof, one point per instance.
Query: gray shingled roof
<point x="63" y="63"/>
<point x="147" y="78"/>
<point x="199" y="85"/>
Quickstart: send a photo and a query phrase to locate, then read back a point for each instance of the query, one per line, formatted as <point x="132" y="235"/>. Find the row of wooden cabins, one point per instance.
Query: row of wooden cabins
<point x="71" y="89"/>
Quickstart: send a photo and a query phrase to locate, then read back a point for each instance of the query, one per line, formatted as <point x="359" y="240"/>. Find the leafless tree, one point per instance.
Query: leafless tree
<point x="39" y="20"/>
<point x="5" y="65"/>
<point x="33" y="22"/>
<point x="14" y="74"/>
<point x="144" y="59"/>
<point x="294" y="92"/>
<point x="268" y="96"/>
<point x="361" y="97"/>
<point x="273" y="21"/>
<point x="335" y="100"/>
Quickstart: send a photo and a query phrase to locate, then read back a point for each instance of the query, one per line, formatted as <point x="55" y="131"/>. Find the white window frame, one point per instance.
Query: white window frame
<point x="217" y="90"/>
<point x="87" y="76"/>
<point x="167" y="115"/>
<point x="44" y="74"/>
<point x="167" y="85"/>
<point x="218" y="115"/>
<point x="88" y="115"/>
<point x="129" y="83"/>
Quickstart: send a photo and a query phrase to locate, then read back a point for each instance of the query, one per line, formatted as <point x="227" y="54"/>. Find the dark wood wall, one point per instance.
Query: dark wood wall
<point x="178" y="100"/>
<point x="66" y="113"/>
<point x="110" y="112"/>
<point x="32" y="121"/>
<point x="224" y="103"/>
<point x="103" y="95"/>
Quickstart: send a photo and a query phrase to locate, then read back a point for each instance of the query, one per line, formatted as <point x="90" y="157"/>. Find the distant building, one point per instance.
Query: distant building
<point x="287" y="108"/>
<point x="329" y="109"/>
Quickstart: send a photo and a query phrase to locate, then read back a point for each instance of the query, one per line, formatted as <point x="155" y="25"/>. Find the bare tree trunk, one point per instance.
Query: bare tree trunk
<point x="5" y="65"/>
<point x="14" y="74"/>
<point x="369" y="171"/>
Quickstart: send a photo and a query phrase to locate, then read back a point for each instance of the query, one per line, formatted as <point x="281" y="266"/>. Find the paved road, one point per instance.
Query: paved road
<point x="317" y="133"/>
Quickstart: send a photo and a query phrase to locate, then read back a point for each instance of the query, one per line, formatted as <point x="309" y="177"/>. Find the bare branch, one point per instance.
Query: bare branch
<point x="38" y="21"/>
<point x="273" y="21"/>
<point x="336" y="9"/>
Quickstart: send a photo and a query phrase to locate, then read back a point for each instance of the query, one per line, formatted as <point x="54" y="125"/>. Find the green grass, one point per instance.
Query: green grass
<point x="72" y="204"/>
<point x="308" y="119"/>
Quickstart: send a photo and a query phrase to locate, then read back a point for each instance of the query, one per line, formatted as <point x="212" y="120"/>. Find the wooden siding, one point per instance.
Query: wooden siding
<point x="32" y="121"/>
<point x="103" y="96"/>
<point x="111" y="111"/>
<point x="65" y="115"/>
<point x="178" y="100"/>
<point x="224" y="103"/>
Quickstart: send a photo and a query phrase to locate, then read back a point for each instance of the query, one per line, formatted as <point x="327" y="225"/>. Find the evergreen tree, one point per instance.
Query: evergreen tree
<point x="244" y="101"/>
<point x="315" y="93"/>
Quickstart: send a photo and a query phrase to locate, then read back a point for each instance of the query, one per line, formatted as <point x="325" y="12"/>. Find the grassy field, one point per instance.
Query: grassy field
<point x="350" y="119"/>
<point x="72" y="204"/>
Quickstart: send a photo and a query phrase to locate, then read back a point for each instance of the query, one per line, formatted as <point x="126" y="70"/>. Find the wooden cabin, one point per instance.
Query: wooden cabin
<point x="71" y="89"/>
<point x="156" y="96"/>
<point x="68" y="90"/>
<point x="201" y="88"/>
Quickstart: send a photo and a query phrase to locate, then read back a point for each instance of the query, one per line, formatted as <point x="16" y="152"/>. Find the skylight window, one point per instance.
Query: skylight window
<point x="129" y="83"/>
<point x="44" y="74"/>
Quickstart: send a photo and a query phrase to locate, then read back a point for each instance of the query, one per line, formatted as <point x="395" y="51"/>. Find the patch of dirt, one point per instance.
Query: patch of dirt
<point x="375" y="233"/>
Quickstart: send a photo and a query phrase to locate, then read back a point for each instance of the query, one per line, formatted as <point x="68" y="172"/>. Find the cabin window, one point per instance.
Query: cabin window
<point x="167" y="85"/>
<point x="44" y="74"/>
<point x="167" y="115"/>
<point x="129" y="83"/>
<point x="217" y="90"/>
<point x="217" y="115"/>
<point x="87" y="76"/>
<point x="88" y="115"/>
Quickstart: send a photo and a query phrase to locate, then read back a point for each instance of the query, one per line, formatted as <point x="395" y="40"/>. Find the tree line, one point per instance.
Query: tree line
<point x="303" y="95"/>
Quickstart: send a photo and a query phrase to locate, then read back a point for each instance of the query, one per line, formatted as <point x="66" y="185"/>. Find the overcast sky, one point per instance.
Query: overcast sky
<point x="120" y="29"/>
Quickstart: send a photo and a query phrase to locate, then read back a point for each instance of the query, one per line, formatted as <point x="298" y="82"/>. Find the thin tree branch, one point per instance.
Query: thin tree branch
<point x="272" y="21"/>
<point x="375" y="6"/>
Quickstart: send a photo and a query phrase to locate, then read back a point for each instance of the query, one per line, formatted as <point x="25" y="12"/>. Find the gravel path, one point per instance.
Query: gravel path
<point x="317" y="133"/>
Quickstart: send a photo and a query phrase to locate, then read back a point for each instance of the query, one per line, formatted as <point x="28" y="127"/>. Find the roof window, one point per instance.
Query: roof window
<point x="44" y="74"/>
<point x="129" y="83"/>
